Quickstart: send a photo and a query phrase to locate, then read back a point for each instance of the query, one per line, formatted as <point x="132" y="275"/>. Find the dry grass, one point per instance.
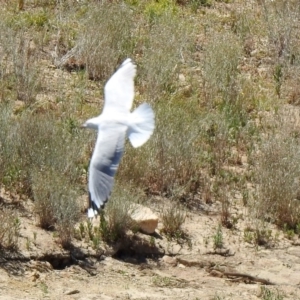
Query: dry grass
<point x="220" y="68"/>
<point x="9" y="229"/>
<point x="115" y="220"/>
<point x="42" y="159"/>
<point x="105" y="38"/>
<point x="277" y="175"/>
<point x="164" y="47"/>
<point x="171" y="160"/>
<point x="173" y="217"/>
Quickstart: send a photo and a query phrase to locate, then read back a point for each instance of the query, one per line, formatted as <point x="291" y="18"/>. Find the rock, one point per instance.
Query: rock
<point x="144" y="217"/>
<point x="169" y="260"/>
<point x="181" y="78"/>
<point x="72" y="292"/>
<point x="181" y="266"/>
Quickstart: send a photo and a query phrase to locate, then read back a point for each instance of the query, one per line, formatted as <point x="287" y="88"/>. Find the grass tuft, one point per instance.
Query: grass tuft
<point x="9" y="229"/>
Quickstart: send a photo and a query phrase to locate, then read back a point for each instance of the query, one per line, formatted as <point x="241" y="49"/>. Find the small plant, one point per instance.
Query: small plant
<point x="9" y="229"/>
<point x="96" y="241"/>
<point x="162" y="281"/>
<point x="34" y="237"/>
<point x="289" y="233"/>
<point x="44" y="287"/>
<point x="152" y="241"/>
<point x="218" y="238"/>
<point x="278" y="77"/>
<point x="173" y="218"/>
<point x="89" y="229"/>
<point x="81" y="231"/>
<point x="267" y="294"/>
<point x="20" y="69"/>
<point x="195" y="4"/>
<point x="297" y="230"/>
<point x="263" y="237"/>
<point x="115" y="220"/>
<point x="28" y="243"/>
<point x="248" y="235"/>
<point x="155" y="79"/>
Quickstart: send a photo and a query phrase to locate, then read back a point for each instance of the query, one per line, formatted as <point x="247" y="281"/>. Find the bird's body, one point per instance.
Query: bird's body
<point x="113" y="125"/>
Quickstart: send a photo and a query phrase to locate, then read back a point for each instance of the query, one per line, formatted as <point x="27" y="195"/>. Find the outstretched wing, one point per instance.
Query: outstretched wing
<point x="119" y="90"/>
<point x="104" y="164"/>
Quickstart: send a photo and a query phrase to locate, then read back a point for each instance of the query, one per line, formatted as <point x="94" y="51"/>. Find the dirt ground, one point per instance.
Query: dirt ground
<point x="40" y="269"/>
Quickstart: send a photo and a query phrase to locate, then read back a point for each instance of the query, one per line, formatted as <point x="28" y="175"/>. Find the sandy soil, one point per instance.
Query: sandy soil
<point x="188" y="271"/>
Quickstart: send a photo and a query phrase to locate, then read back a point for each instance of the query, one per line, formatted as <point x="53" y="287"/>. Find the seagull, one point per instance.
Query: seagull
<point x="114" y="124"/>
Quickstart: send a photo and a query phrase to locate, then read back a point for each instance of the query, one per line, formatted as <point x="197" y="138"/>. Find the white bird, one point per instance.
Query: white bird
<point x="113" y="125"/>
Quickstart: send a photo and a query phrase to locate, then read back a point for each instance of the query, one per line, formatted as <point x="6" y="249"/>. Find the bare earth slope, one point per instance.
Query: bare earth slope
<point x="239" y="270"/>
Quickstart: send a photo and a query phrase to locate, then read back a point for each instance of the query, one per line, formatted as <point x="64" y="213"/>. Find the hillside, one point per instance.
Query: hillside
<point x="221" y="170"/>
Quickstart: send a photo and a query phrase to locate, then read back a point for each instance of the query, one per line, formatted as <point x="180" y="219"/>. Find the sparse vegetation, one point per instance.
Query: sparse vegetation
<point x="114" y="221"/>
<point x="223" y="80"/>
<point x="218" y="238"/>
<point x="267" y="294"/>
<point x="173" y="218"/>
<point x="277" y="176"/>
<point x="9" y="229"/>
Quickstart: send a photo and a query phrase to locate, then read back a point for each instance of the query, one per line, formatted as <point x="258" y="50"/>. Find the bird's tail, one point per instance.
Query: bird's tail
<point x="141" y="125"/>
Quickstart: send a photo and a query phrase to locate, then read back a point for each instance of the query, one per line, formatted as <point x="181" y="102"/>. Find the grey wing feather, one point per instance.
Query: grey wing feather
<point x="104" y="163"/>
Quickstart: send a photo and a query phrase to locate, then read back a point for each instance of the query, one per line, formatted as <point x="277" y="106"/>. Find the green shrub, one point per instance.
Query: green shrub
<point x="155" y="9"/>
<point x="218" y="238"/>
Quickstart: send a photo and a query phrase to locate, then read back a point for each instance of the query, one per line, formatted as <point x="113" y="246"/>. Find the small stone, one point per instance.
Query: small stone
<point x="72" y="292"/>
<point x="169" y="260"/>
<point x="181" y="78"/>
<point x="181" y="266"/>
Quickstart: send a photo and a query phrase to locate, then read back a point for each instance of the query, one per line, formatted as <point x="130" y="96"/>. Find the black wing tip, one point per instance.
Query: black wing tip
<point x="94" y="206"/>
